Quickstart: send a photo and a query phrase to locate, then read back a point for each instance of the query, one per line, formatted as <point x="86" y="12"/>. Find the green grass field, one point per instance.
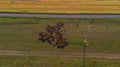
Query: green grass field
<point x="22" y="34"/>
<point x="34" y="61"/>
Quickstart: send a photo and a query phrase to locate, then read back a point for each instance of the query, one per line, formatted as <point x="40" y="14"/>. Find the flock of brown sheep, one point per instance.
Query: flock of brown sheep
<point x="54" y="35"/>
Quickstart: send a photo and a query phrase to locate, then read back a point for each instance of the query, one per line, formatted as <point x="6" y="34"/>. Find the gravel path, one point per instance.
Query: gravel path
<point x="60" y="15"/>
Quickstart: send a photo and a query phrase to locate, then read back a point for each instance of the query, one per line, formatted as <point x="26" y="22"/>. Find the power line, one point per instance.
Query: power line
<point x="86" y="43"/>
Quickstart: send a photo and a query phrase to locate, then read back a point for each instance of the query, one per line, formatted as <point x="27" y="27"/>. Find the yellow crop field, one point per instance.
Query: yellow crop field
<point x="60" y="6"/>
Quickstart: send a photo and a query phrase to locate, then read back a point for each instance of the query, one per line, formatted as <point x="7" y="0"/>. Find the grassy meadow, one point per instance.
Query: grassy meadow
<point x="22" y="34"/>
<point x="60" y="6"/>
<point x="34" y="61"/>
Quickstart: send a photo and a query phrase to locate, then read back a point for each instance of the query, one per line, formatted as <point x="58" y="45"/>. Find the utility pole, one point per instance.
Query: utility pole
<point x="86" y="43"/>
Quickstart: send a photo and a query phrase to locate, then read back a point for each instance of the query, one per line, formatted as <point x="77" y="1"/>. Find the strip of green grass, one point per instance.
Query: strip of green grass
<point x="25" y="19"/>
<point x="33" y="61"/>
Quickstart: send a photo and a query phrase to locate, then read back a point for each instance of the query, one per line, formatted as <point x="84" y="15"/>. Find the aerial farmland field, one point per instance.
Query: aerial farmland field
<point x="60" y="6"/>
<point x="22" y="33"/>
<point x="19" y="44"/>
<point x="59" y="33"/>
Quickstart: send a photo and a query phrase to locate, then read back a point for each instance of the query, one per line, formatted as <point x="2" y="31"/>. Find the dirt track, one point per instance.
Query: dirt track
<point x="58" y="54"/>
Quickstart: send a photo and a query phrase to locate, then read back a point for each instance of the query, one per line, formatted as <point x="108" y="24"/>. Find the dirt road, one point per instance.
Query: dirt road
<point x="58" y="54"/>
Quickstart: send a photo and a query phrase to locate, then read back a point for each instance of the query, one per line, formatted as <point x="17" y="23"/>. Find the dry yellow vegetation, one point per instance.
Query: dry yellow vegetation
<point x="60" y="6"/>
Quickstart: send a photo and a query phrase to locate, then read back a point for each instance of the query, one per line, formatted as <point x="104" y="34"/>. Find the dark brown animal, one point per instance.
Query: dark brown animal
<point x="61" y="43"/>
<point x="50" y="29"/>
<point x="42" y="36"/>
